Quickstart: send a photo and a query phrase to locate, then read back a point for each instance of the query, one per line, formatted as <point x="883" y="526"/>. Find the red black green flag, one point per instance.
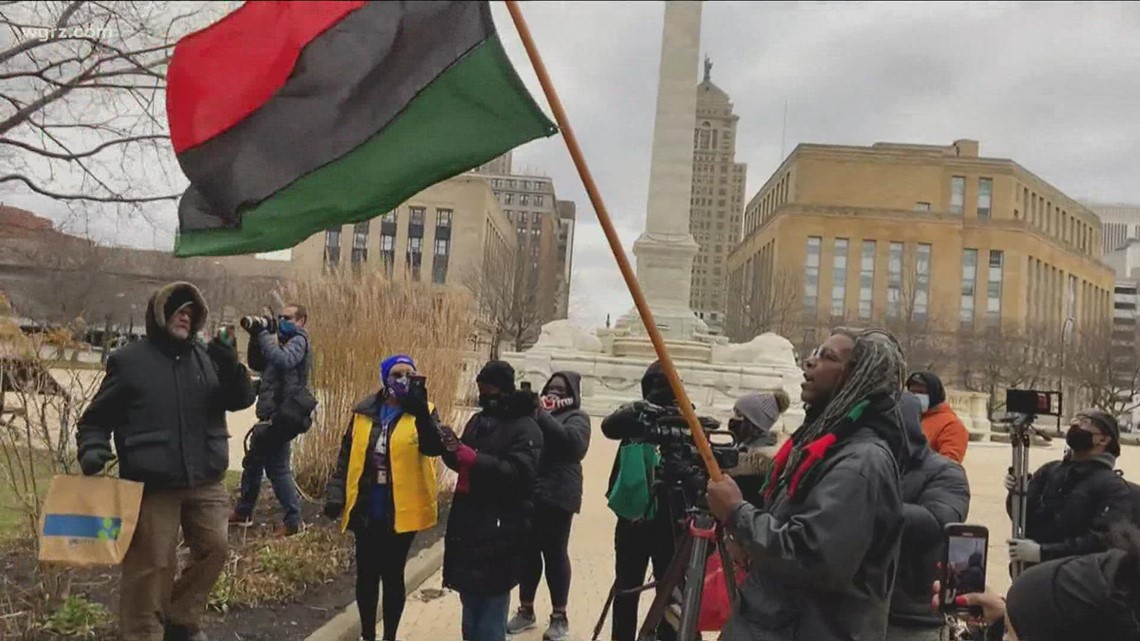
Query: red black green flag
<point x="290" y="117"/>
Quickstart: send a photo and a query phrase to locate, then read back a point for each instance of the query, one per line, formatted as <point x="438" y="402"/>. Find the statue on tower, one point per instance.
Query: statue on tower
<point x="708" y="68"/>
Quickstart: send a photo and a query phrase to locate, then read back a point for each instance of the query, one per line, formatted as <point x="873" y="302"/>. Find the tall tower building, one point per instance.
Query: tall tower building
<point x="717" y="201"/>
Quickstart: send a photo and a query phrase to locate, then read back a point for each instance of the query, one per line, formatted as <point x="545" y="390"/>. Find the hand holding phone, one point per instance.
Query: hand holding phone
<point x="417" y="386"/>
<point x="963" y="569"/>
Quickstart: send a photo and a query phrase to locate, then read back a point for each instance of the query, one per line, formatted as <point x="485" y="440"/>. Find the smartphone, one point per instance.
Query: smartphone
<point x="525" y="385"/>
<point x="963" y="566"/>
<point x="417" y="386"/>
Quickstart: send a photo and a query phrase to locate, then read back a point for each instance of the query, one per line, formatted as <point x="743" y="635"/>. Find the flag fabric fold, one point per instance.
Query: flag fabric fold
<point x="291" y="117"/>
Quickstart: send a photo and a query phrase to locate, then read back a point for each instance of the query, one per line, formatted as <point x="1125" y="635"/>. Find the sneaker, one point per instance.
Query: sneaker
<point x="240" y="519"/>
<point x="559" y="629"/>
<point x="286" y="529"/>
<point x="524" y="619"/>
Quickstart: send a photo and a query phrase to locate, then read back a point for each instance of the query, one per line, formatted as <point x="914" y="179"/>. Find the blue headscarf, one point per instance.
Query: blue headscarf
<point x="387" y="364"/>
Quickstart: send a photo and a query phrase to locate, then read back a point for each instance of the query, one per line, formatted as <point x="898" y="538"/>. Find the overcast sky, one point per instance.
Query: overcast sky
<point x="1054" y="86"/>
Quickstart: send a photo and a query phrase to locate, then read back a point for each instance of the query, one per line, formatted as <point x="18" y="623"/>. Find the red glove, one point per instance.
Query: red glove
<point x="465" y="455"/>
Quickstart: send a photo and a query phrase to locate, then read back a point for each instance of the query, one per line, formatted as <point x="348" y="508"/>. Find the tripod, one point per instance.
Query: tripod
<point x="685" y="574"/>
<point x="1021" y="433"/>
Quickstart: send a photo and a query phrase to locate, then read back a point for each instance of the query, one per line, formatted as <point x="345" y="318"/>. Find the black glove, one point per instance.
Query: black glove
<point x="414" y="406"/>
<point x="94" y="460"/>
<point x="333" y="510"/>
<point x="222" y="351"/>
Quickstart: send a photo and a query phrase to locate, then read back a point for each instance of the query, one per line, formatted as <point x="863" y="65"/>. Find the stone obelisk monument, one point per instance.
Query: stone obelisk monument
<point x="665" y="250"/>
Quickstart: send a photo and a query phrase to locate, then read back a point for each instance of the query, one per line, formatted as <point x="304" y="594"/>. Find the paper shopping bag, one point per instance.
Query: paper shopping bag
<point x="89" y="520"/>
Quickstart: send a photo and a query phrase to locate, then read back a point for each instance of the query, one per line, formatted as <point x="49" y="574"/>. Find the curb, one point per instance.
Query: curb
<point x="346" y="625"/>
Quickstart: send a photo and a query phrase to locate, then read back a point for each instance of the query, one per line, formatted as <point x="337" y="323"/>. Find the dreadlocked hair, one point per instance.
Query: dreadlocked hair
<point x="876" y="371"/>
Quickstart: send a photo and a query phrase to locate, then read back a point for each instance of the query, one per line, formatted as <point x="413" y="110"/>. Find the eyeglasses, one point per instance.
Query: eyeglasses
<point x="283" y="317"/>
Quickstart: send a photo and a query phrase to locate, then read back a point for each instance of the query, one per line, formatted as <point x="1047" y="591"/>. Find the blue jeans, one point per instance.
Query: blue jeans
<point x="485" y="617"/>
<point x="274" y="463"/>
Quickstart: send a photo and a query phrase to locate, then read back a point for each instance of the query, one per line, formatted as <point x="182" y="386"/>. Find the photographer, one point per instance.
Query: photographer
<point x="1072" y="502"/>
<point x="284" y="406"/>
<point x="384" y="488"/>
<point x="1096" y="596"/>
<point x="164" y="401"/>
<point x="566" y="438"/>
<point x="934" y="493"/>
<point x="645" y="530"/>
<point x="497" y="461"/>
<point x="751" y="424"/>
<point x="825" y="547"/>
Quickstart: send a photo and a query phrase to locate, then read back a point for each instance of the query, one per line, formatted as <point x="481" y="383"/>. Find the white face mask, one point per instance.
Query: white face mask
<point x="924" y="401"/>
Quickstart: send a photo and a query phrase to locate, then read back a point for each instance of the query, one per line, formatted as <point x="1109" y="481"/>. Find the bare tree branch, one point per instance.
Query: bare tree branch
<point x="98" y="199"/>
<point x="81" y="154"/>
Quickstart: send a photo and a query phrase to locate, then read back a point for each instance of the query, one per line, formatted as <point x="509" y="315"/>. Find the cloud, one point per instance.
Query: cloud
<point x="1050" y="85"/>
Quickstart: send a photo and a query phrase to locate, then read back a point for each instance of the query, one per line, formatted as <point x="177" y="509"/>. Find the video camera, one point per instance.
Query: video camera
<point x="681" y="476"/>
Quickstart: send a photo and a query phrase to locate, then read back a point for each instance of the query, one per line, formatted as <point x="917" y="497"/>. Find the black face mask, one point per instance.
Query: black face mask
<point x="491" y="402"/>
<point x="662" y="396"/>
<point x="1079" y="440"/>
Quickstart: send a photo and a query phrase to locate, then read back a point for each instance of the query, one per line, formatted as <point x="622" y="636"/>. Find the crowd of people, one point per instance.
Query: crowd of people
<point x="840" y="527"/>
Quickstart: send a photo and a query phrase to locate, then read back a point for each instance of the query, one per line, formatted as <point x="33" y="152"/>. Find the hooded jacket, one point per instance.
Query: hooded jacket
<point x="1086" y="597"/>
<point x="488" y="524"/>
<point x="286" y="372"/>
<point x="164" y="401"/>
<point x="935" y="492"/>
<point x="624" y="423"/>
<point x="944" y="430"/>
<point x="565" y="440"/>
<point x="823" y="562"/>
<point x="1072" y="504"/>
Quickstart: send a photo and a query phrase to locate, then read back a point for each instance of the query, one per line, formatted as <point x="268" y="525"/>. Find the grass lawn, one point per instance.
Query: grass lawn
<point x="12" y="518"/>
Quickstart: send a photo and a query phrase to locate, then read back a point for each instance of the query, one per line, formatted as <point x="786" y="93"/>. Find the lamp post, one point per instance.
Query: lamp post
<point x="1066" y="334"/>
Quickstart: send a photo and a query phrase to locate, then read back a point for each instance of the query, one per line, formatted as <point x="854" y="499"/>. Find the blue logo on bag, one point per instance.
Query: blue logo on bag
<point x="82" y="526"/>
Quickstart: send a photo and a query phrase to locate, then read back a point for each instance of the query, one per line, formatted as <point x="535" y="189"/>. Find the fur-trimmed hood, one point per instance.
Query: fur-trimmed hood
<point x="156" y="309"/>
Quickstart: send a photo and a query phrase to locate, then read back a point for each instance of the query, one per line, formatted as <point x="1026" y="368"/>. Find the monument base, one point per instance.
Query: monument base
<point x="611" y="366"/>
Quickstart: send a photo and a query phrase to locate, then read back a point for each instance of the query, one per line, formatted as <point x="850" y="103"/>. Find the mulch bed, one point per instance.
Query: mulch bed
<point x="291" y="620"/>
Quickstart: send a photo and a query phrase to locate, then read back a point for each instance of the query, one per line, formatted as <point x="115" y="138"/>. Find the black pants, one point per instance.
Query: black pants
<point x="635" y="545"/>
<point x="549" y="540"/>
<point x="381" y="555"/>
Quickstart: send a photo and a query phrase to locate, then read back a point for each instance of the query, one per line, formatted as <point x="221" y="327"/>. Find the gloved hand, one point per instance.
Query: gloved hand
<point x="333" y="510"/>
<point x="94" y="460"/>
<point x="221" y="351"/>
<point x="415" y="406"/>
<point x="1010" y="482"/>
<point x="1024" y="550"/>
<point x="466" y="457"/>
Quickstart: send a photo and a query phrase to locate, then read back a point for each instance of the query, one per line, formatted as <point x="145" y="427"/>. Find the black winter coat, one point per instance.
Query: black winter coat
<point x="427" y="431"/>
<point x="935" y="492"/>
<point x="823" y="562"/>
<point x="1072" y="504"/>
<point x="488" y="525"/>
<point x="565" y="440"/>
<point x="164" y="403"/>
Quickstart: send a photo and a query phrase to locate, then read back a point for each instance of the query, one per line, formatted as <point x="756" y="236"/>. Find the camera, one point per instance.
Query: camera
<point x="681" y="476"/>
<point x="256" y="323"/>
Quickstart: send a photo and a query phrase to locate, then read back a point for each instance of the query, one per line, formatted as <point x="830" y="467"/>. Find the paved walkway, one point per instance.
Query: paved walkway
<point x="591" y="544"/>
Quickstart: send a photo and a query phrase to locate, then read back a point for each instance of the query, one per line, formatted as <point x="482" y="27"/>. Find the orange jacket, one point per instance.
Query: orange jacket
<point x="945" y="432"/>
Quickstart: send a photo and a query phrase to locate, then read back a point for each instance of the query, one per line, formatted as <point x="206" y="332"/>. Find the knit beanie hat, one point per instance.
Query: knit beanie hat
<point x="762" y="410"/>
<point x="1108" y="425"/>
<point x="387" y="364"/>
<point x="499" y="374"/>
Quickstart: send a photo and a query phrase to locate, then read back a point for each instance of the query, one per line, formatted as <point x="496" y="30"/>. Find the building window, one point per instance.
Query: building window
<point x="388" y="217"/>
<point x="839" y="277"/>
<point x="526" y="184"/>
<point x="985" y="196"/>
<point x="416" y="222"/>
<point x="922" y="283"/>
<point x="415" y="256"/>
<point x="866" y="279"/>
<point x="894" y="280"/>
<point x="538" y="200"/>
<point x="496" y="182"/>
<point x="524" y="200"/>
<point x="993" y="289"/>
<point x="969" y="288"/>
<point x="510" y="215"/>
<point x="443" y="218"/>
<point x="957" y="194"/>
<point x="811" y="275"/>
<point x="388" y="252"/>
<point x="1071" y="302"/>
<point x="332" y="247"/>
<point x="439" y="263"/>
<point x="509" y="198"/>
<point x="360" y="243"/>
<point x="921" y="206"/>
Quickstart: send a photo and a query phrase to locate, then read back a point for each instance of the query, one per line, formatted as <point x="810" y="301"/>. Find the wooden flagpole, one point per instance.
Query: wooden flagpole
<point x="627" y="272"/>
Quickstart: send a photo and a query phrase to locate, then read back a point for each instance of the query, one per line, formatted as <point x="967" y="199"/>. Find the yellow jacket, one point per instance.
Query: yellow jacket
<point x="412" y="474"/>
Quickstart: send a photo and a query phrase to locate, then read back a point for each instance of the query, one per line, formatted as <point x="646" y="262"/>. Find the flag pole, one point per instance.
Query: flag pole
<point x="627" y="272"/>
